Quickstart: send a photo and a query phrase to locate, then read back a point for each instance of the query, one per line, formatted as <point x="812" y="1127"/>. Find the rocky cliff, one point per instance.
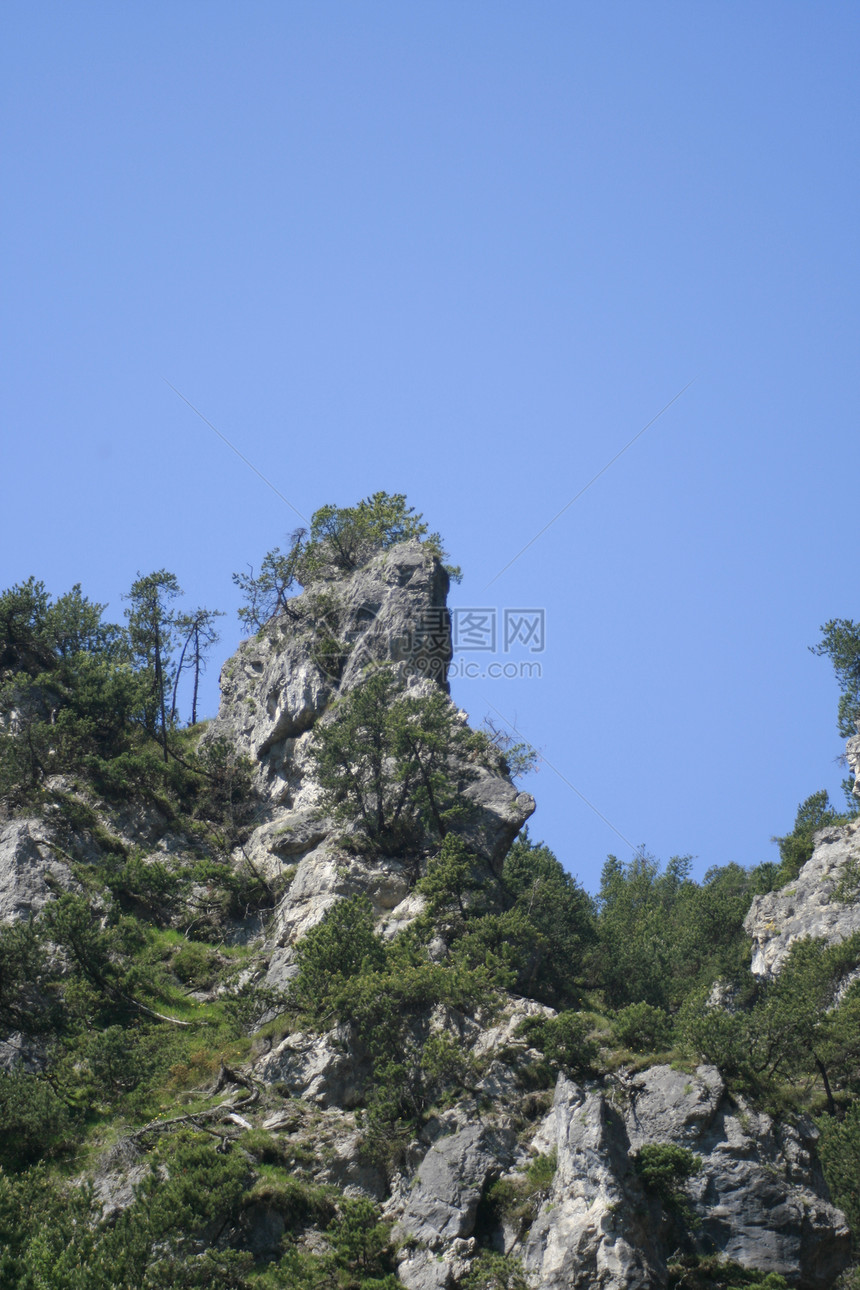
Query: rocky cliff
<point x="532" y="1162"/>
<point x="758" y="1200"/>
<point x="821" y="903"/>
<point x="275" y="689"/>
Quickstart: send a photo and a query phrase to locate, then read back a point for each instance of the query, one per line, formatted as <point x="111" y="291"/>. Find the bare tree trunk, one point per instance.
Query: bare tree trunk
<point x="178" y="674"/>
<point x="159" y="685"/>
<point x="196" y="673"/>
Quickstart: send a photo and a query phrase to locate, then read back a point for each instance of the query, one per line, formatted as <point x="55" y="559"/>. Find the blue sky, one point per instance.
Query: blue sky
<point x="466" y="252"/>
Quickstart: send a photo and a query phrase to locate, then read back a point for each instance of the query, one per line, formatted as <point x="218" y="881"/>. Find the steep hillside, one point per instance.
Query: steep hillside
<point x="293" y="1000"/>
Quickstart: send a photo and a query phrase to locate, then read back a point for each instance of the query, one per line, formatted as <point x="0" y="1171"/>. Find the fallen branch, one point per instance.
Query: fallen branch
<point x="226" y="1110"/>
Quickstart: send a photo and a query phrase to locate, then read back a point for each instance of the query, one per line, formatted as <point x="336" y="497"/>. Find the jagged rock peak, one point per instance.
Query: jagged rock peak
<point x="391" y="610"/>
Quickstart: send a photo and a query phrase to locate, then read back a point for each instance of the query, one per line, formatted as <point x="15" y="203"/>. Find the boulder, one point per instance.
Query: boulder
<point x="319" y="1068"/>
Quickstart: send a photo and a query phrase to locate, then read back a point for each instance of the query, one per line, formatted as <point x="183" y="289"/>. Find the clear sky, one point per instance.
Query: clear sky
<point x="466" y="251"/>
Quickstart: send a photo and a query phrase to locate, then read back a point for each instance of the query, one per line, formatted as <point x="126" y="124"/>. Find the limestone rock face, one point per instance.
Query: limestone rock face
<point x="811" y="905"/>
<point x="319" y="1068"/>
<point x="280" y="683"/>
<point x="30" y="871"/>
<point x="758" y="1198"/>
<point x="438" y="1213"/>
<point x="595" y="1227"/>
<point x="392" y="610"/>
<point x="443" y="1200"/>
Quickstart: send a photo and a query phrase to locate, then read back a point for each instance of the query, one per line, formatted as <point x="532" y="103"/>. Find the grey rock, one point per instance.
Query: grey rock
<point x="280" y="970"/>
<point x="438" y="1211"/>
<point x="665" y="1105"/>
<point x="808" y="906"/>
<point x="115" y="1191"/>
<point x="326" y="875"/>
<point x="292" y="835"/>
<point x="20" y="1052"/>
<point x="346" y="1169"/>
<point x="595" y="1229"/>
<point x="761" y="1200"/>
<point x="279" y="684"/>
<point x="426" y="1271"/>
<point x="499" y="812"/>
<point x="119" y="1172"/>
<point x="320" y="1068"/>
<point x="30" y="870"/>
<point x="759" y="1197"/>
<point x="392" y="610"/>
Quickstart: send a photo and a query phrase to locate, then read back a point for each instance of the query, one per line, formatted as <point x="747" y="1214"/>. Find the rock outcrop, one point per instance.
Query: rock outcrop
<point x="821" y="902"/>
<point x="758" y="1198"/>
<point x="280" y="683"/>
<point x="586" y="1219"/>
<point x="31" y="871"/>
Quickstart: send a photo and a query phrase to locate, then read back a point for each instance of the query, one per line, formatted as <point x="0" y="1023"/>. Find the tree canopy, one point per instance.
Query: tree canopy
<point x="840" y="642"/>
<point x="340" y="539"/>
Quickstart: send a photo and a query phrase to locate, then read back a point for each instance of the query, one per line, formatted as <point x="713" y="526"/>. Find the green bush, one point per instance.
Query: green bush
<point x="196" y="965"/>
<point x="664" y="1167"/>
<point x="491" y="1271"/>
<point x="839" y="1148"/>
<point x="642" y="1027"/>
<point x="393" y="765"/>
<point x="386" y="992"/>
<point x="532" y="924"/>
<point x="340" y="539"/>
<point x="34" y="1122"/>
<point x="516" y="1200"/>
<point x="564" y="1041"/>
<point x="713" y="1273"/>
<point x="797" y="847"/>
<point x="795" y="1026"/>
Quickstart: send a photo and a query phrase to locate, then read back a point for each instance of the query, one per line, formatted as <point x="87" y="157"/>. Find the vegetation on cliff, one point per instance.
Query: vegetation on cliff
<point x="132" y="999"/>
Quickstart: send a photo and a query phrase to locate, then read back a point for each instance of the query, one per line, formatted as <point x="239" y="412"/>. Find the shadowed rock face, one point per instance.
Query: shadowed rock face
<point x="809" y="906"/>
<point x="759" y="1198"/>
